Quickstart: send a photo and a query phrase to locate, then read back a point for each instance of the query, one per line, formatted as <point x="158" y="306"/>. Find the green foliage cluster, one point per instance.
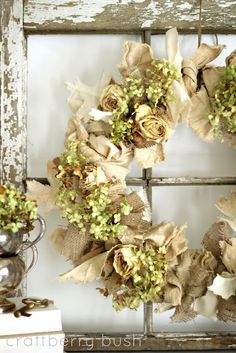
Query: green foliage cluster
<point x="160" y="79"/>
<point x="223" y="115"/>
<point x="16" y="212"/>
<point x="92" y="211"/>
<point x="153" y="89"/>
<point x="147" y="279"/>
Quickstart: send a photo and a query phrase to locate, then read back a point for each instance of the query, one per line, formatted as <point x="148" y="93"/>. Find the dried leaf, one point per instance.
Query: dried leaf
<point x="212" y="76"/>
<point x="181" y="105"/>
<point x="197" y="116"/>
<point x="89" y="270"/>
<point x="170" y="236"/>
<point x="224" y="285"/>
<point x="137" y="57"/>
<point x="172" y="48"/>
<point x="228" y="208"/>
<point x="75" y="130"/>
<point x="202" y="56"/>
<point x="81" y="100"/>
<point x="83" y="97"/>
<point x="150" y="156"/>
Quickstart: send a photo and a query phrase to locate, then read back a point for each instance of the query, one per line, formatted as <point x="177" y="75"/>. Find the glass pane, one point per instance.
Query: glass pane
<point x="52" y="61"/>
<point x="186" y="153"/>
<point x="194" y="205"/>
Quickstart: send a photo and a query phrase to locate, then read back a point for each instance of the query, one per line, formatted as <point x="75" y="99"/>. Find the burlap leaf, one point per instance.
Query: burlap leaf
<point x="150" y="156"/>
<point x="195" y="272"/>
<point x="172" y="290"/>
<point x="227" y="309"/>
<point x="200" y="105"/>
<point x="183" y="268"/>
<point x="228" y="250"/>
<point x="202" y="273"/>
<point x="136" y="219"/>
<point x="75" y="244"/>
<point x="228" y="208"/>
<point x="184" y="312"/>
<point x="219" y="231"/>
<point x="43" y="194"/>
<point x="161" y="308"/>
<point x="137" y="57"/>
<point x="224" y="285"/>
<point x="207" y="305"/>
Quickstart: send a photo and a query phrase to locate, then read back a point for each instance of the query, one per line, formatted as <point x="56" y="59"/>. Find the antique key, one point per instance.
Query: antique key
<point x="31" y="303"/>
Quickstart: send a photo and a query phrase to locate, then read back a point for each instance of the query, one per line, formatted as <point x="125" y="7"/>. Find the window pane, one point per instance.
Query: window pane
<point x="186" y="153"/>
<point x="194" y="205"/>
<point x="52" y="61"/>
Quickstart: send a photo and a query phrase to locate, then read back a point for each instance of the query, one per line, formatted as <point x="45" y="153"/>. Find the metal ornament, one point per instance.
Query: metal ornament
<point x="13" y="243"/>
<point x="12" y="271"/>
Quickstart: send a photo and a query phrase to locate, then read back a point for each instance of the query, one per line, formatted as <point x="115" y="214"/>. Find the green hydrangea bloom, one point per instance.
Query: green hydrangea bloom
<point x="16" y="212"/>
<point x="223" y="115"/>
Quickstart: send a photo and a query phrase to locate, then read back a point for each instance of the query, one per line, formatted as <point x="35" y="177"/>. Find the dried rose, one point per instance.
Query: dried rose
<point x="231" y="59"/>
<point x="126" y="261"/>
<point x="92" y="177"/>
<point x="111" y="96"/>
<point x="151" y="127"/>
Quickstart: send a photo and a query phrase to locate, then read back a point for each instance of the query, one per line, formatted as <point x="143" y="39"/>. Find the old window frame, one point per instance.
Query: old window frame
<point x="21" y="18"/>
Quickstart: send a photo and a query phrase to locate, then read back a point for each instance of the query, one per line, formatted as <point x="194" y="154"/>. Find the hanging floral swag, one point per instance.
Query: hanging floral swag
<point x="109" y="234"/>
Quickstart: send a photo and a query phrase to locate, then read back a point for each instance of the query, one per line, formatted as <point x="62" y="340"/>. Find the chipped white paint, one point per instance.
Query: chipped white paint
<point x="85" y="11"/>
<point x="13" y="125"/>
<point x="154" y="10"/>
<point x="126" y="15"/>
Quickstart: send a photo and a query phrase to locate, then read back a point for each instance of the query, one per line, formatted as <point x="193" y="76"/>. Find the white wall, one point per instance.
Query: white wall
<point x="56" y="59"/>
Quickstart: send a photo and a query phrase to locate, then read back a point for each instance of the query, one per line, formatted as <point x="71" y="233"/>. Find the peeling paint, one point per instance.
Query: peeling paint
<point x="125" y="15"/>
<point x="13" y="126"/>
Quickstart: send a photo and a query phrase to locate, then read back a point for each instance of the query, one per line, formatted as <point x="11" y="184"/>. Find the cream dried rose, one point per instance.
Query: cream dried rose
<point x="111" y="96"/>
<point x="92" y="176"/>
<point x="125" y="261"/>
<point x="151" y="127"/>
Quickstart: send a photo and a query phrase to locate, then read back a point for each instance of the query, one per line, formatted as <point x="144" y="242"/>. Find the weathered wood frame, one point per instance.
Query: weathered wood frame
<point x="20" y="18"/>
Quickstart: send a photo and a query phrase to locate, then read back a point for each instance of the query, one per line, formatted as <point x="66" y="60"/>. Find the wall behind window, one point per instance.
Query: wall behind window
<point x="53" y="60"/>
